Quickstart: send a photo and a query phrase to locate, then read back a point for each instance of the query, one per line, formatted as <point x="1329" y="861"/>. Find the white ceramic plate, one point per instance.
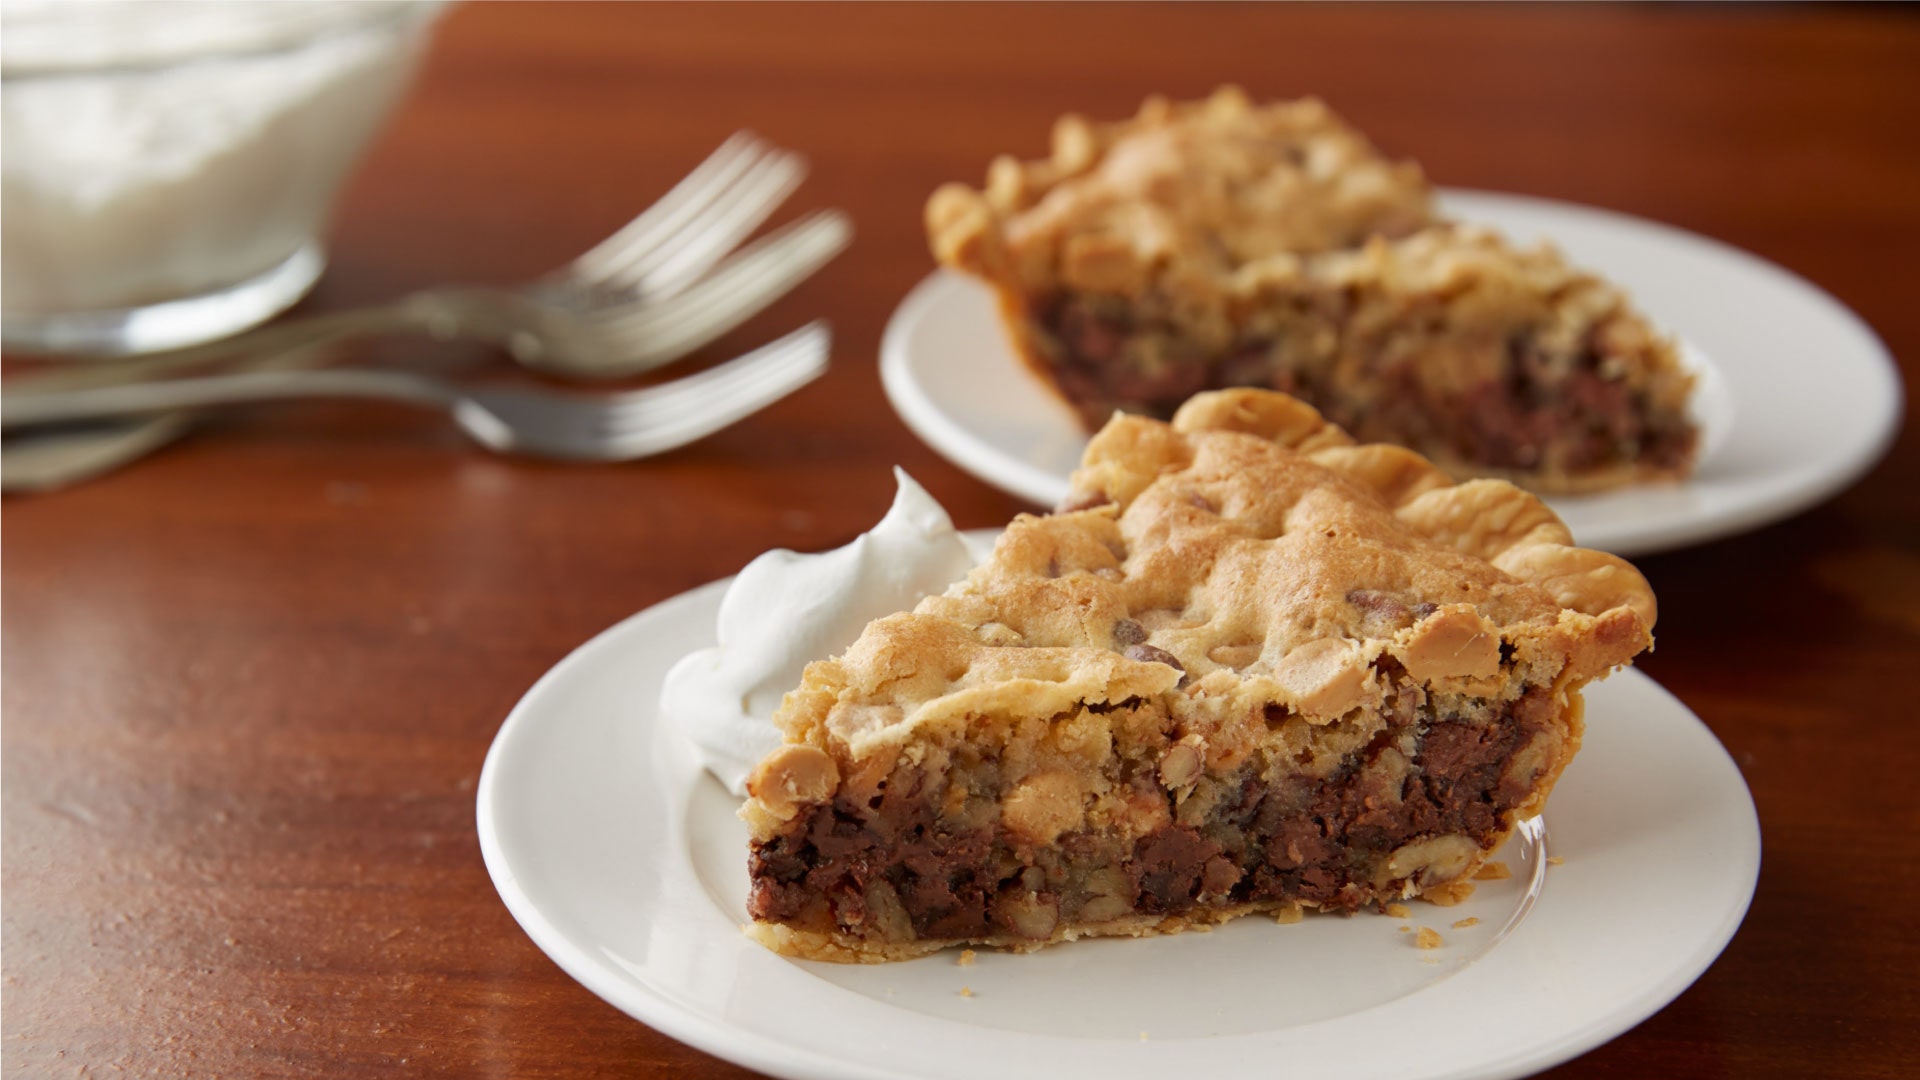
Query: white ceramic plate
<point x="1799" y="397"/>
<point x="625" y="863"/>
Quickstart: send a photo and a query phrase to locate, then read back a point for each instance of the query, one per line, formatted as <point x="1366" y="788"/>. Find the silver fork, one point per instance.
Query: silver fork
<point x="641" y="298"/>
<point x="541" y="423"/>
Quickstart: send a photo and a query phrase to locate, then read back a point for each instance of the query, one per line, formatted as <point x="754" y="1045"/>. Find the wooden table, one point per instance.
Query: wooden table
<point x="250" y="682"/>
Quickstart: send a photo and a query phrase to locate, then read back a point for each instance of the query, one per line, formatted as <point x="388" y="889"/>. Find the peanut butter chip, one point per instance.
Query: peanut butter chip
<point x="792" y="776"/>
<point x="1454" y="642"/>
<point x="1327" y="677"/>
<point x="1043" y="807"/>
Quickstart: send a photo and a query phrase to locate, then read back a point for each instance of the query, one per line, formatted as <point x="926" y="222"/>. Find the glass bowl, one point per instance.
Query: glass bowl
<point x="168" y="165"/>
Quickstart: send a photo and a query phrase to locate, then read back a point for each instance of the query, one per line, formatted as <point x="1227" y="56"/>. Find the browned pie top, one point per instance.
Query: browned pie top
<point x="1195" y="190"/>
<point x="1263" y="553"/>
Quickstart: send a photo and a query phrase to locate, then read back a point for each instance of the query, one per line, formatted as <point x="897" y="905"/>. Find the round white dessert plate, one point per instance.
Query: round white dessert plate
<point x="624" y="861"/>
<point x="1797" y="396"/>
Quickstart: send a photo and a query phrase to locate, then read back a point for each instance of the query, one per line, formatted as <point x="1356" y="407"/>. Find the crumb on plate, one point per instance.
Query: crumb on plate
<point x="1449" y="894"/>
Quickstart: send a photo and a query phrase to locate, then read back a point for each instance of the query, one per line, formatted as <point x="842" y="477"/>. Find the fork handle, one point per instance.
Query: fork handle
<point x="31" y="408"/>
<point x="412" y="313"/>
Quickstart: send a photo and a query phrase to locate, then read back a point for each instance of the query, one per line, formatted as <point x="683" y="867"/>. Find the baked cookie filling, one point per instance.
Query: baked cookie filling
<point x="1255" y="667"/>
<point x="1219" y="244"/>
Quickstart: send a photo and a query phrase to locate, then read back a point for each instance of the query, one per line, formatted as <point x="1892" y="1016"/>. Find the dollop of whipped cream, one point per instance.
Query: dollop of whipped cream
<point x="786" y="610"/>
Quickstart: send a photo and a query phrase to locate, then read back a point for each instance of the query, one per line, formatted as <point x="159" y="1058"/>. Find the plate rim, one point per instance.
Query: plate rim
<point x="1803" y="490"/>
<point x="765" y="1053"/>
<point x="748" y="1049"/>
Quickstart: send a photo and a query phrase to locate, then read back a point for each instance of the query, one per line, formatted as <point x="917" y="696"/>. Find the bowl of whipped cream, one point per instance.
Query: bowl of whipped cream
<point x="168" y="165"/>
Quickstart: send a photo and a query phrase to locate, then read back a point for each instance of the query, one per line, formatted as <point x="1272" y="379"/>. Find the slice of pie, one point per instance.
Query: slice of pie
<point x="1218" y="244"/>
<point x="1260" y="667"/>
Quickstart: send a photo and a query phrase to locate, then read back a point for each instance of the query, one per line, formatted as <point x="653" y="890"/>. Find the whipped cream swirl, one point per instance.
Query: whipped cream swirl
<point x="786" y="610"/>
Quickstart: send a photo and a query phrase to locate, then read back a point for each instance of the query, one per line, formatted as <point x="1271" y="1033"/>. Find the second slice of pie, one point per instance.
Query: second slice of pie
<point x="1219" y="243"/>
<point x="1253" y="666"/>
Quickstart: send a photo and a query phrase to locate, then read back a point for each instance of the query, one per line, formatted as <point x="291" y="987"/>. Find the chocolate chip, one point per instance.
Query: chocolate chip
<point x="1153" y="654"/>
<point x="1378" y="604"/>
<point x="1127" y="632"/>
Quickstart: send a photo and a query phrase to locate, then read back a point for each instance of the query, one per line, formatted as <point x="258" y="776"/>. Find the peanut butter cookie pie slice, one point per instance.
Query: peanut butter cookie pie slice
<point x="1250" y="666"/>
<point x="1220" y="244"/>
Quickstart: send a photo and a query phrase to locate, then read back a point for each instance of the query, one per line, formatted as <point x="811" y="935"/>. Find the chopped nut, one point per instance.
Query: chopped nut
<point x="1031" y="915"/>
<point x="1427" y="938"/>
<point x="1289" y="915"/>
<point x="966" y="958"/>
<point x="1436" y="858"/>
<point x="1180" y="765"/>
<point x="1466" y="922"/>
<point x="1493" y="871"/>
<point x="1127" y="632"/>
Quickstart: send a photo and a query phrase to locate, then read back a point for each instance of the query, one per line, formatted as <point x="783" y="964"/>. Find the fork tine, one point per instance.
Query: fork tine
<point x="694" y="190"/>
<point x="749" y="198"/>
<point x="646" y="336"/>
<point x="649" y="225"/>
<point x="771" y="382"/>
<point x="805" y="347"/>
<point x="798" y="248"/>
<point x="724" y="230"/>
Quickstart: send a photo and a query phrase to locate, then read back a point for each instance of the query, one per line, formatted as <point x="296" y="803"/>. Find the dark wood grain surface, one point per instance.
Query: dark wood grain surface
<point x="249" y="683"/>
